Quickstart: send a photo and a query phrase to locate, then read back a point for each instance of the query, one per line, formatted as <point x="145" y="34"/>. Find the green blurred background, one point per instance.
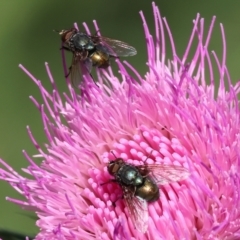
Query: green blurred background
<point x="26" y="37"/>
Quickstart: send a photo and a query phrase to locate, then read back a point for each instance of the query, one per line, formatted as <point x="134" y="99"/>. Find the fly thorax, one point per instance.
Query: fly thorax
<point x="82" y="42"/>
<point x="129" y="175"/>
<point x="138" y="180"/>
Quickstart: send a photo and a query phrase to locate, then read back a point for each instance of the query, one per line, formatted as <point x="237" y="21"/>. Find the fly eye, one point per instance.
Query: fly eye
<point x="110" y="165"/>
<point x="110" y="168"/>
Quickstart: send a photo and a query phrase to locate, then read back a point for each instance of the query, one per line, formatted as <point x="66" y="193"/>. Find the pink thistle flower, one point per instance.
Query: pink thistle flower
<point x="170" y="114"/>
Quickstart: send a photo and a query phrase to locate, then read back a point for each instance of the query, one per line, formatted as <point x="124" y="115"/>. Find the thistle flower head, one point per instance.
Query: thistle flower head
<point x="169" y="116"/>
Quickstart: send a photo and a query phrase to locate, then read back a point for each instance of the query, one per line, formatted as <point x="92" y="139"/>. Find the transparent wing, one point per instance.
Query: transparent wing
<point x="88" y="64"/>
<point x="114" y="47"/>
<point x="138" y="210"/>
<point x="164" y="174"/>
<point x="76" y="70"/>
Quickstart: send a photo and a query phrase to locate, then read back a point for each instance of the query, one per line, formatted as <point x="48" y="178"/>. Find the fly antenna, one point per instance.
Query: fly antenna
<point x="114" y="154"/>
<point x="148" y="156"/>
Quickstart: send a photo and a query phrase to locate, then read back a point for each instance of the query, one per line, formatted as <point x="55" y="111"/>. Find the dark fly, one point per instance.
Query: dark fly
<point x="140" y="185"/>
<point x="91" y="51"/>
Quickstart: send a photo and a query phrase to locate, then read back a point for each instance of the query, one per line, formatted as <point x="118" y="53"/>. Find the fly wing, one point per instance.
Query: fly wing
<point x="164" y="174"/>
<point x="88" y="64"/>
<point x="76" y="70"/>
<point x="115" y="47"/>
<point x="138" y="210"/>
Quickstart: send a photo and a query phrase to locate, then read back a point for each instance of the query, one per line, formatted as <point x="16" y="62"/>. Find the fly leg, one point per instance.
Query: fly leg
<point x="65" y="48"/>
<point x="70" y="68"/>
<point x="111" y="180"/>
<point x="69" y="71"/>
<point x="121" y="197"/>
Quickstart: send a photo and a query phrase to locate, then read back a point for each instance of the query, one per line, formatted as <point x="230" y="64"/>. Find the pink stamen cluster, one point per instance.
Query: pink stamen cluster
<point x="170" y="115"/>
